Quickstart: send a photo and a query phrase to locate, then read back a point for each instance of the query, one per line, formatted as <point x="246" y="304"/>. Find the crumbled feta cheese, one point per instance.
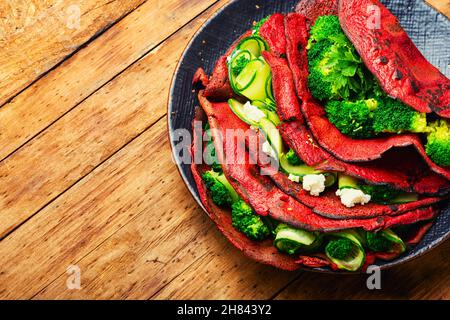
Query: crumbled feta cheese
<point x="267" y="149"/>
<point x="350" y="197"/>
<point x="252" y="112"/>
<point x="294" y="178"/>
<point x="314" y="183"/>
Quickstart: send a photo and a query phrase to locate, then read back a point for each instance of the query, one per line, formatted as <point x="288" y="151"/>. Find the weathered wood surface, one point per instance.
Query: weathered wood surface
<point x="35" y="35"/>
<point x="86" y="176"/>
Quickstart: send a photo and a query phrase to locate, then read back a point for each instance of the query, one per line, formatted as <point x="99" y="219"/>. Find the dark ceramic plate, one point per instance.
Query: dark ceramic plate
<point x="428" y="29"/>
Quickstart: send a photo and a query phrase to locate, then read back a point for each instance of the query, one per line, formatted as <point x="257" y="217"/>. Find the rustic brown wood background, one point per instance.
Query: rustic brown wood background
<point x="86" y="176"/>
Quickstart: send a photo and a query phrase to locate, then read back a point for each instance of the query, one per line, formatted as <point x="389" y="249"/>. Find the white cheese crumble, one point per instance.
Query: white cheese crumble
<point x="294" y="178"/>
<point x="350" y="197"/>
<point x="314" y="183"/>
<point x="267" y="149"/>
<point x="252" y="112"/>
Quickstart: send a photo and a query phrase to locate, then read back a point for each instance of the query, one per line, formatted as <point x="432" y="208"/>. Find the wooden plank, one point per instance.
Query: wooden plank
<point x="36" y="35"/>
<point x="90" y="68"/>
<point x="88" y="135"/>
<point x="124" y="210"/>
<point x="424" y="278"/>
<point x="442" y="6"/>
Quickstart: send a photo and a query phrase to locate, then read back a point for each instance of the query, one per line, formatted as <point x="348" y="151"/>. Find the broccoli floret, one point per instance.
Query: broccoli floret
<point x="377" y="242"/>
<point x="248" y="222"/>
<point x="319" y="88"/>
<point x="317" y="51"/>
<point x="380" y="194"/>
<point x="394" y="116"/>
<point x="291" y="240"/>
<point x="438" y="144"/>
<point x="339" y="248"/>
<point x="336" y="70"/>
<point x="257" y="25"/>
<point x="222" y="193"/>
<point x="240" y="64"/>
<point x="324" y="28"/>
<point x="293" y="158"/>
<point x="353" y="119"/>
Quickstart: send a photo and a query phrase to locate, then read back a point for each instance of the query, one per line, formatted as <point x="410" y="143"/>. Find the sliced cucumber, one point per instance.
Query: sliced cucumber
<point x="253" y="44"/>
<point x="330" y="179"/>
<point x="254" y="81"/>
<point x="266" y="104"/>
<point x="223" y="180"/>
<point x="248" y="75"/>
<point x="300" y="170"/>
<point x="290" y="240"/>
<point x="235" y="58"/>
<point x="405" y="198"/>
<point x="272" y="135"/>
<point x="303" y="170"/>
<point x="355" y="259"/>
<point x="259" y="104"/>
<point x="269" y="90"/>
<point x="273" y="117"/>
<point x="347" y="182"/>
<point x="252" y="117"/>
<point x="385" y="241"/>
<point x="251" y="82"/>
<point x="398" y="245"/>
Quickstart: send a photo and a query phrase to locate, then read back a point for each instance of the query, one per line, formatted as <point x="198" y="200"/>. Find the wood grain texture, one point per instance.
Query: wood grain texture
<point x="90" y="68"/>
<point x="83" y="138"/>
<point x="36" y="35"/>
<point x="98" y="189"/>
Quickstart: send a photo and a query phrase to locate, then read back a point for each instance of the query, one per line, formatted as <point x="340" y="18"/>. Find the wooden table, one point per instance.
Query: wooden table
<point x="86" y="178"/>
